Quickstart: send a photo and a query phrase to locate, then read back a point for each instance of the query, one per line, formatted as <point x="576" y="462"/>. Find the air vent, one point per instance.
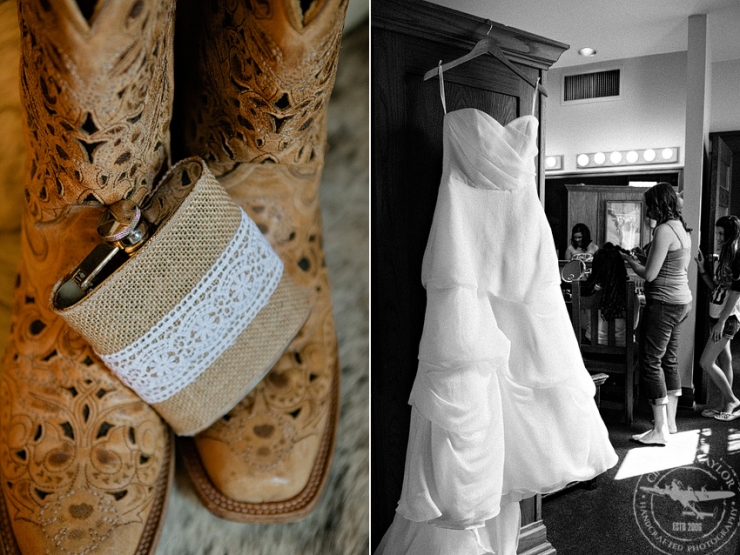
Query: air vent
<point x="586" y="86"/>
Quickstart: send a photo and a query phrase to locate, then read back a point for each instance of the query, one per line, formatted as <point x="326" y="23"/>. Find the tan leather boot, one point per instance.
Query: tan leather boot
<point x="258" y="117"/>
<point x="85" y="465"/>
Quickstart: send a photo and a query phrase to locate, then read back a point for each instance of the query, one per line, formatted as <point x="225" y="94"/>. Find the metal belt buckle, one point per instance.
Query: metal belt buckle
<point x="124" y="230"/>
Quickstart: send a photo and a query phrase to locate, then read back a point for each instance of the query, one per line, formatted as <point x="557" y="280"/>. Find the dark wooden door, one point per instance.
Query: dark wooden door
<point x="718" y="199"/>
<point x="409" y="38"/>
<point x="716" y="202"/>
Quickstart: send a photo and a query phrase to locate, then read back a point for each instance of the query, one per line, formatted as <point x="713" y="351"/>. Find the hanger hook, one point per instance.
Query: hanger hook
<point x="490" y="28"/>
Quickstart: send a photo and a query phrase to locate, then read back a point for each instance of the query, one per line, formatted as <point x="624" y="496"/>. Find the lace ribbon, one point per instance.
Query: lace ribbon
<point x="185" y="342"/>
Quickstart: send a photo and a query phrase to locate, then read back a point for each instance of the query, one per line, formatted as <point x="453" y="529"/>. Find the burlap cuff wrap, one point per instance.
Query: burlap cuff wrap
<point x="199" y="314"/>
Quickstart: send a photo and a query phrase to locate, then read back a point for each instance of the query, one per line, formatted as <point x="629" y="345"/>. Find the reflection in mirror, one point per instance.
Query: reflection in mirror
<point x="575" y="269"/>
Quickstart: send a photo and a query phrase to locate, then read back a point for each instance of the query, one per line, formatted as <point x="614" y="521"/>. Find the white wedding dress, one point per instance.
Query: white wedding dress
<point x="502" y="405"/>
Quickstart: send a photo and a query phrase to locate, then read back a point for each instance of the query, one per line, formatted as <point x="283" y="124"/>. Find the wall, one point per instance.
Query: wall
<point x="725" y="114"/>
<point x="651" y="112"/>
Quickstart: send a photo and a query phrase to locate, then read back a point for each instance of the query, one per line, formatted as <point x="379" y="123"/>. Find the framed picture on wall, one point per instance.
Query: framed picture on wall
<point x="623" y="223"/>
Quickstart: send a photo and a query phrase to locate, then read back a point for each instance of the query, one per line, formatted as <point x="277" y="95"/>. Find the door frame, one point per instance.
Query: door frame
<point x="708" y="217"/>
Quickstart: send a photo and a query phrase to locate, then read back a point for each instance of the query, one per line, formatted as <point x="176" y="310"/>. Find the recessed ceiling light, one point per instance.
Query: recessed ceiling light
<point x="587" y="52"/>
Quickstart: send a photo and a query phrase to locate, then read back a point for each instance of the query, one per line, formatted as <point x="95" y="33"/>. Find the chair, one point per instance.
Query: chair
<point x="610" y="358"/>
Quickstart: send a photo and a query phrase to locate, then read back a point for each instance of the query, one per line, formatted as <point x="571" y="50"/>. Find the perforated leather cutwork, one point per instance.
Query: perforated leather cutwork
<point x="84" y="462"/>
<point x="257" y="114"/>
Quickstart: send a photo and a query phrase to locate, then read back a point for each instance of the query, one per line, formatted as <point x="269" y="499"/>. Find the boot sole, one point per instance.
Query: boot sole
<point x="273" y="512"/>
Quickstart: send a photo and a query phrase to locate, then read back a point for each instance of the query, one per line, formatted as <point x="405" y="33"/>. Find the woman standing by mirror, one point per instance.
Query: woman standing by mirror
<point x="581" y="246"/>
<point x="668" y="303"/>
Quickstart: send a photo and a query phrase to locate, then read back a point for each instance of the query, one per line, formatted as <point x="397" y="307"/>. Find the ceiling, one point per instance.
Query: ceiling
<point x="616" y="29"/>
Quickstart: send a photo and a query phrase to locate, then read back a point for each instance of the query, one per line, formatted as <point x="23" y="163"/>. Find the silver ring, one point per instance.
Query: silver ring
<point x="129" y="228"/>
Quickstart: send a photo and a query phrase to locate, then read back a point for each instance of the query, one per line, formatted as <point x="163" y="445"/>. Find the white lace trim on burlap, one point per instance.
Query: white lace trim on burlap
<point x="185" y="342"/>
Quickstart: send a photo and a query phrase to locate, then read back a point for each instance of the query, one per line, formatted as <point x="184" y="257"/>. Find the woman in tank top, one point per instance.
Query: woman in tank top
<point x="724" y="309"/>
<point x="668" y="303"/>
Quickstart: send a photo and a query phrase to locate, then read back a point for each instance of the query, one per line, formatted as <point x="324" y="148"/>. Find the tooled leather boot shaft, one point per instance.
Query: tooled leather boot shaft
<point x="265" y="71"/>
<point x="85" y="464"/>
<point x="98" y="97"/>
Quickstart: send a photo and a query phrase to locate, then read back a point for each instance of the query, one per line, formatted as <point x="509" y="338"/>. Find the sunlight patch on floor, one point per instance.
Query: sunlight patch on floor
<point x="682" y="449"/>
<point x="733" y="441"/>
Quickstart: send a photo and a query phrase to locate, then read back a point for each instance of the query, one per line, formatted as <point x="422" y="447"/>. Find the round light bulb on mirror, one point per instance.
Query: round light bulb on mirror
<point x="582" y="160"/>
<point x="550" y="161"/>
<point x="599" y="158"/>
<point x="615" y="157"/>
<point x="632" y="156"/>
<point x="649" y="155"/>
<point x="667" y="153"/>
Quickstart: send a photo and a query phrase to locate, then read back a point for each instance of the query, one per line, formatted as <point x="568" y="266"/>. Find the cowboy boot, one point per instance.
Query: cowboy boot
<point x="12" y="153"/>
<point x="85" y="465"/>
<point x="257" y="115"/>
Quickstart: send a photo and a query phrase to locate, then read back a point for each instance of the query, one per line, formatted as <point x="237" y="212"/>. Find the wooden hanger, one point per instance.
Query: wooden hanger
<point x="486" y="45"/>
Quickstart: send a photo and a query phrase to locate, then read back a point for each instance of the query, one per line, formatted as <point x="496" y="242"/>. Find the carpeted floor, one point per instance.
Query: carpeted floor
<point x="619" y="517"/>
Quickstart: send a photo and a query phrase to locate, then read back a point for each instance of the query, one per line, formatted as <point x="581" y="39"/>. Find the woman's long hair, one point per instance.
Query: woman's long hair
<point x="662" y="204"/>
<point x="585" y="233"/>
<point x="610" y="275"/>
<point x="731" y="227"/>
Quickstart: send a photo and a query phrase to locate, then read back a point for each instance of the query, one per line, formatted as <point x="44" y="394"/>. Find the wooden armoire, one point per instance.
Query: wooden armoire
<point x="409" y="37"/>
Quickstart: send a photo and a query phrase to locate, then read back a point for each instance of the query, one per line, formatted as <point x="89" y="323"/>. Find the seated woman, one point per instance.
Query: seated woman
<point x="581" y="246"/>
<point x="609" y="275"/>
